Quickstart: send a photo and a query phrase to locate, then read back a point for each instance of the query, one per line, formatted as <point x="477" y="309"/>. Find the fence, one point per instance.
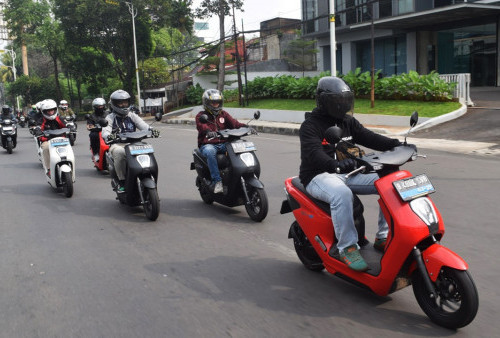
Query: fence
<point x="462" y="90"/>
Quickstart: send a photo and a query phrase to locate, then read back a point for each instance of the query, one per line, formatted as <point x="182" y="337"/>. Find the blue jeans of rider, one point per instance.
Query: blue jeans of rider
<point x="210" y="152"/>
<point x="337" y="190"/>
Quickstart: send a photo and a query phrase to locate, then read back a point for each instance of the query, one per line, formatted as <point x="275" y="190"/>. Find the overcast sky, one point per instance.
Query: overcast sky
<point x="255" y="11"/>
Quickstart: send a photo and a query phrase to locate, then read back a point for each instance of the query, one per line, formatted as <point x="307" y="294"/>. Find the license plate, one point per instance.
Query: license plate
<point x="413" y="187"/>
<point x="142" y="149"/>
<point x="7" y="128"/>
<point x="59" y="142"/>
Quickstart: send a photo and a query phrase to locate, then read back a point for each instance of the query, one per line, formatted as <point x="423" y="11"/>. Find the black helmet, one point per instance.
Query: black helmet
<point x="334" y="97"/>
<point x="120" y="102"/>
<point x="212" y="101"/>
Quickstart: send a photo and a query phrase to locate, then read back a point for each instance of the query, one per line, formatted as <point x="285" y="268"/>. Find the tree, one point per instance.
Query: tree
<point x="221" y="8"/>
<point x="301" y="52"/>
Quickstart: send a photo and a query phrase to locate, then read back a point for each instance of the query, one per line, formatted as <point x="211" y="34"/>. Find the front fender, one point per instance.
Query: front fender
<point x="437" y="256"/>
<point x="148" y="182"/>
<point x="65" y="168"/>
<point x="254" y="182"/>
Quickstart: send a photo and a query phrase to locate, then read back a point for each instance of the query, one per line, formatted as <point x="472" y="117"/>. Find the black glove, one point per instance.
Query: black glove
<point x="345" y="166"/>
<point x="211" y="134"/>
<point x="155" y="132"/>
<point x="112" y="137"/>
<point x="38" y="132"/>
<point x="253" y="131"/>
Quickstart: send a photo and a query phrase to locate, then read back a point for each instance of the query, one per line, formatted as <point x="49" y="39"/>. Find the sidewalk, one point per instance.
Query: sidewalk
<point x="288" y="123"/>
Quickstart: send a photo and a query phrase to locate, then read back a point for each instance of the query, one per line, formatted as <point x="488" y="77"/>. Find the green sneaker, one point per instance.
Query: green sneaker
<point x="353" y="259"/>
<point x="379" y="244"/>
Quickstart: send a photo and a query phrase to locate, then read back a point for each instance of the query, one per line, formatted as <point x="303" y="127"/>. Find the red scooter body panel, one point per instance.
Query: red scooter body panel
<point x="436" y="256"/>
<point x="103" y="148"/>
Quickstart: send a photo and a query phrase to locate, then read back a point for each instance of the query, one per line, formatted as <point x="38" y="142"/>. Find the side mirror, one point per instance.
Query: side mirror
<point x="333" y="134"/>
<point x="87" y="116"/>
<point x="414" y="119"/>
<point x="256" y="115"/>
<point x="158" y="116"/>
<point x="203" y="118"/>
<point x="103" y="122"/>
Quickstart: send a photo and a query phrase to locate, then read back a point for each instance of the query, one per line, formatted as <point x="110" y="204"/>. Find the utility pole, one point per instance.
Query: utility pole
<point x="14" y="70"/>
<point x="372" y="90"/>
<point x="133" y="12"/>
<point x="333" y="42"/>
<point x="245" y="62"/>
<point x="237" y="56"/>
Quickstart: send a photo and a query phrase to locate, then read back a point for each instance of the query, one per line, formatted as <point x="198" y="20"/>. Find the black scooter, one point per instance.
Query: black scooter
<point x="9" y="135"/>
<point x="141" y="174"/>
<point x="239" y="170"/>
<point x="71" y="125"/>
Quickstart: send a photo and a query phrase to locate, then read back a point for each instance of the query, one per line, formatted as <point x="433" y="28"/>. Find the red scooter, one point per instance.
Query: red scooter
<point x="100" y="164"/>
<point x="443" y="287"/>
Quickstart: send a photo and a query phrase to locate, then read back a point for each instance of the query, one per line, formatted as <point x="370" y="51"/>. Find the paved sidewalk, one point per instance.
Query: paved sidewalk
<point x="288" y="123"/>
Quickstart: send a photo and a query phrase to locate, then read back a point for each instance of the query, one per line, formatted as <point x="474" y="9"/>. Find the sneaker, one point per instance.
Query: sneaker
<point x="353" y="259"/>
<point x="96" y="157"/>
<point x="48" y="173"/>
<point x="121" y="187"/>
<point x="218" y="188"/>
<point x="379" y="244"/>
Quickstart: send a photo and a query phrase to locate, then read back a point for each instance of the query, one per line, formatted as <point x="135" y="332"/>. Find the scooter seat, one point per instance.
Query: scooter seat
<point x="323" y="205"/>
<point x="222" y="160"/>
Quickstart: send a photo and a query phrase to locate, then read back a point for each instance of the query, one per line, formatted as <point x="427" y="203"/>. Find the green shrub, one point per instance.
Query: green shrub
<point x="194" y="94"/>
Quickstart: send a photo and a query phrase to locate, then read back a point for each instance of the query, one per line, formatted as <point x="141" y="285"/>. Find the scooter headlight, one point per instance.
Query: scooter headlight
<point x="144" y="161"/>
<point x="424" y="209"/>
<point x="248" y="159"/>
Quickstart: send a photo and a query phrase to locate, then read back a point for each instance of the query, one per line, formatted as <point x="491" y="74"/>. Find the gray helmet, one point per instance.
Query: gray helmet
<point x="116" y="100"/>
<point x="99" y="105"/>
<point x="211" y="96"/>
<point x="334" y="97"/>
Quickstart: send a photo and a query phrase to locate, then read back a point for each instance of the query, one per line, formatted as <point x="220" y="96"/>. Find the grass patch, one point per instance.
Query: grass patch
<point x="361" y="106"/>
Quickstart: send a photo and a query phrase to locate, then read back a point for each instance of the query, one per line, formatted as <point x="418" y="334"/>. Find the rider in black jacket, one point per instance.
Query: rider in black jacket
<point x="322" y="170"/>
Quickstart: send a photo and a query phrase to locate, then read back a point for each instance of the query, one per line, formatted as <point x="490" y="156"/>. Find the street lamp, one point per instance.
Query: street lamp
<point x="133" y="12"/>
<point x="14" y="71"/>
<point x="333" y="42"/>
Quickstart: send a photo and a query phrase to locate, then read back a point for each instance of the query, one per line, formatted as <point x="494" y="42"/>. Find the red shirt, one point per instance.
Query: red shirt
<point x="57" y="123"/>
<point x="215" y="123"/>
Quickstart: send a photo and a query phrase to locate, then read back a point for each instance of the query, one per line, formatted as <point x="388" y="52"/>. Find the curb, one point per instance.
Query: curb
<point x="441" y="119"/>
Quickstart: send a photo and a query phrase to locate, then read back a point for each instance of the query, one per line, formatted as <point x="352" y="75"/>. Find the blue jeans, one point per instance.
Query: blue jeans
<point x="336" y="190"/>
<point x="210" y="152"/>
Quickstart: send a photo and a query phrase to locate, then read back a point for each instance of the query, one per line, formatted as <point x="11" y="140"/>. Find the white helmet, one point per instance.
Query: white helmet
<point x="63" y="104"/>
<point x="117" y="98"/>
<point x="38" y="106"/>
<point x="49" y="109"/>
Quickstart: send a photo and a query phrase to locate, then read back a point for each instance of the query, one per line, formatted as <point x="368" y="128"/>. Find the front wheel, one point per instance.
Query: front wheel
<point x="457" y="300"/>
<point x="151" y="203"/>
<point x="304" y="249"/>
<point x="10" y="146"/>
<point x="67" y="181"/>
<point x="72" y="138"/>
<point x="258" y="206"/>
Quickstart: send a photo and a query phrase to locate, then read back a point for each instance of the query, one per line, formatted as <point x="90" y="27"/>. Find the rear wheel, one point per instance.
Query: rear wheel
<point x="457" y="300"/>
<point x="151" y="203"/>
<point x="67" y="183"/>
<point x="304" y="249"/>
<point x="10" y="146"/>
<point x="258" y="206"/>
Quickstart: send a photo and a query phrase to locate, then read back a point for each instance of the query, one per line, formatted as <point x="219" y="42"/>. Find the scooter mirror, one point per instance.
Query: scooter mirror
<point x="414" y="119"/>
<point x="103" y="122"/>
<point x="203" y="118"/>
<point x="158" y="116"/>
<point x="87" y="116"/>
<point x="256" y="115"/>
<point x="333" y="134"/>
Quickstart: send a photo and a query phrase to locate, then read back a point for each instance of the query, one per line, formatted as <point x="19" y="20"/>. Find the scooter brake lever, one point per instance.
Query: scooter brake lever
<point x="360" y="169"/>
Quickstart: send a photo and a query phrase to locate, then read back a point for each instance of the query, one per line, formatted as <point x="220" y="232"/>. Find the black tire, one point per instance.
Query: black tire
<point x="258" y="207"/>
<point x="67" y="183"/>
<point x="457" y="302"/>
<point x="72" y="139"/>
<point x="10" y="146"/>
<point x="205" y="195"/>
<point x="151" y="203"/>
<point x="305" y="250"/>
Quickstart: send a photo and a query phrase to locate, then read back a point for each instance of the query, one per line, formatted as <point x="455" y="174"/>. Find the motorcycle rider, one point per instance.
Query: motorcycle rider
<point x="64" y="110"/>
<point x="208" y="142"/>
<point x="7" y="114"/>
<point x="51" y="121"/>
<point x="120" y="120"/>
<point x="323" y="173"/>
<point x="99" y="106"/>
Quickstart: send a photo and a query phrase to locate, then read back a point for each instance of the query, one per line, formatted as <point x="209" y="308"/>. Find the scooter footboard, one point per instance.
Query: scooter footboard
<point x="436" y="256"/>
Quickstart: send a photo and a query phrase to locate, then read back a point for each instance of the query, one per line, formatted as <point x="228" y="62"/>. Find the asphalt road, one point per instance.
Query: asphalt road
<point x="90" y="267"/>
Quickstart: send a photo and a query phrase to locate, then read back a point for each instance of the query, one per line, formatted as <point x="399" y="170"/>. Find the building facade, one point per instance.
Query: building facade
<point x="448" y="36"/>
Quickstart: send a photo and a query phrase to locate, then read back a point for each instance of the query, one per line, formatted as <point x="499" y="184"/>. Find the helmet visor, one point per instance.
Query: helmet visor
<point x="50" y="112"/>
<point x="338" y="105"/>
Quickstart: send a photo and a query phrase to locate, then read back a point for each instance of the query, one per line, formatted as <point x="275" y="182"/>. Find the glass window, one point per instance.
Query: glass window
<point x="310" y="8"/>
<point x="390" y="55"/>
<point x="405" y="6"/>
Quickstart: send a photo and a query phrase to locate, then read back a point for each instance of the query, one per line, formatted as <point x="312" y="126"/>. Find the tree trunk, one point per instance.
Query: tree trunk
<point x="56" y="76"/>
<point x="222" y="49"/>
<point x="24" y="52"/>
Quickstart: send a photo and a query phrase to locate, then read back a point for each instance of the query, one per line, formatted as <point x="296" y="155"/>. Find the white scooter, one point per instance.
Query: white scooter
<point x="62" y="161"/>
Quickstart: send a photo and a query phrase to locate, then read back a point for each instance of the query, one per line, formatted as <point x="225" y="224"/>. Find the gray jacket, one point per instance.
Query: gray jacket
<point x="126" y="123"/>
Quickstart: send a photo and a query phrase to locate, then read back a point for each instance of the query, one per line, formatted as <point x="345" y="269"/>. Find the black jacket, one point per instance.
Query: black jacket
<point x="318" y="156"/>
